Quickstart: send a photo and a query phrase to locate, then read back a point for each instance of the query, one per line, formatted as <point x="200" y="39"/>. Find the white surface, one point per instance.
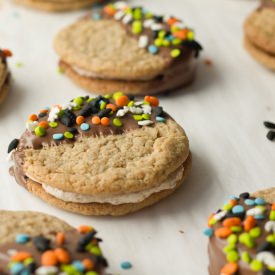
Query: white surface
<point x="222" y="114"/>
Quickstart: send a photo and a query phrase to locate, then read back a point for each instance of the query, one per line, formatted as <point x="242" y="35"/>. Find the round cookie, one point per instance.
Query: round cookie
<point x="128" y="49"/>
<point x="108" y="155"/>
<point x="4" y="74"/>
<point x="259" y="29"/>
<point x="241" y="235"/>
<point x="36" y="243"/>
<point x="57" y="5"/>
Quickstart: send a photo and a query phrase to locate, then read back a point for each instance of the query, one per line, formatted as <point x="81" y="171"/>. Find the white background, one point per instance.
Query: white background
<point x="222" y="113"/>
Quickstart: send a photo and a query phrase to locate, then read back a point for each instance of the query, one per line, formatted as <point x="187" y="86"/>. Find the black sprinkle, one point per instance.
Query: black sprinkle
<point x="269" y="125"/>
<point x="245" y="195"/>
<point x="159" y="111"/>
<point x="42" y="115"/>
<point x="68" y="118"/>
<point x="266" y="246"/>
<point x="158" y="19"/>
<point x="31" y="267"/>
<point x="155" y="34"/>
<point x="88" y="110"/>
<point x="232" y="215"/>
<point x="42" y="244"/>
<point x="104" y="112"/>
<point x="73" y="131"/>
<point x="270" y="135"/>
<point x="194" y="45"/>
<point x="86" y="239"/>
<point x="131" y="97"/>
<point x="13" y="145"/>
<point x="101" y="261"/>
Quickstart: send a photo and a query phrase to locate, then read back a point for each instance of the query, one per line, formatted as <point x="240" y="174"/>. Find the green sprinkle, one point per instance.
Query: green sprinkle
<point x="272" y="215"/>
<point x="271" y="239"/>
<point x="108" y="96"/>
<point x="166" y="43"/>
<point x="162" y="34"/>
<point x="236" y="229"/>
<point x="40" y="131"/>
<point x="256" y="265"/>
<point x="263" y="208"/>
<point x="138" y="117"/>
<point x="145" y="103"/>
<point x="137" y="27"/>
<point x="117" y="95"/>
<point x="255" y="232"/>
<point x="190" y="35"/>
<point x="146" y="116"/>
<point x="232" y="256"/>
<point x="149" y="15"/>
<point x="175" y="53"/>
<point x="90" y="99"/>
<point x="53" y="124"/>
<point x="176" y="41"/>
<point x="131" y="103"/>
<point x="89" y="246"/>
<point x="117" y="122"/>
<point x="96" y="251"/>
<point x="271" y="268"/>
<point x="246" y="257"/>
<point x="232" y="239"/>
<point x="28" y="261"/>
<point x="68" y="135"/>
<point x="137" y="14"/>
<point x="78" y="101"/>
<point x="91" y="273"/>
<point x="158" y="42"/>
<point x="103" y="105"/>
<point x="213" y="222"/>
<point x="229" y="248"/>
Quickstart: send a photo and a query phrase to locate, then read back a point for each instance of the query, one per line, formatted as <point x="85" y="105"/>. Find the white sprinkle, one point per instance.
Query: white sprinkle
<point x="148" y="23"/>
<point x="120" y="5"/>
<point x="11" y="252"/>
<point x="147" y="109"/>
<point x="145" y="122"/>
<point x="31" y="125"/>
<point x="254" y="211"/>
<point x="156" y="27"/>
<point x="127" y="19"/>
<point x="46" y="270"/>
<point x="220" y="215"/>
<point x="143" y="41"/>
<point x="266" y="258"/>
<point x="136" y="110"/>
<point x="270" y="226"/>
<point x="122" y="112"/>
<point x="138" y="103"/>
<point x="118" y="15"/>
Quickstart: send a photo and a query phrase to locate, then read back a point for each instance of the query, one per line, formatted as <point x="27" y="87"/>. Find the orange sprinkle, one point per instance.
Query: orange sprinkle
<point x="172" y="20"/>
<point x="105" y="121"/>
<point x="229" y="269"/>
<point x="152" y="100"/>
<point x="109" y="10"/>
<point x="33" y="117"/>
<point x="222" y="232"/>
<point x="122" y="101"/>
<point x="233" y="202"/>
<point x="231" y="222"/>
<point x="80" y="120"/>
<point x="273" y="206"/>
<point x="88" y="264"/>
<point x="62" y="255"/>
<point x="21" y="256"/>
<point x="96" y="120"/>
<point x="60" y="238"/>
<point x="44" y="111"/>
<point x="44" y="124"/>
<point x="7" y="52"/>
<point x="84" y="228"/>
<point x="181" y="34"/>
<point x="49" y="258"/>
<point x="249" y="223"/>
<point x="111" y="106"/>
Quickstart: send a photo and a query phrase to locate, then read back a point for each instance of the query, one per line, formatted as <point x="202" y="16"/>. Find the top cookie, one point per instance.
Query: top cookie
<point x="128" y="44"/>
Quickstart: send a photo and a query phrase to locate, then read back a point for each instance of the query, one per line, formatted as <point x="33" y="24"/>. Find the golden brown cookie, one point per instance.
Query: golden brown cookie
<point x="36" y="243"/>
<point x="56" y="5"/>
<point x="102" y="156"/>
<point x="129" y="49"/>
<point x="241" y="235"/>
<point x="4" y="74"/>
<point x="259" y="29"/>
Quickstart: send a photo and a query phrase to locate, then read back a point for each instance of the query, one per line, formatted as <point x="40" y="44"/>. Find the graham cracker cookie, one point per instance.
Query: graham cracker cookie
<point x="112" y="150"/>
<point x="4" y="74"/>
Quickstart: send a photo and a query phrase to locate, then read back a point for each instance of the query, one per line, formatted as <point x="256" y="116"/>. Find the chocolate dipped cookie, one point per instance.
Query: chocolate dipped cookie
<point x="128" y="49"/>
<point x="259" y="29"/>
<point x="241" y="235"/>
<point x="4" y="74"/>
<point x="56" y="5"/>
<point x="108" y="155"/>
<point x="36" y="243"/>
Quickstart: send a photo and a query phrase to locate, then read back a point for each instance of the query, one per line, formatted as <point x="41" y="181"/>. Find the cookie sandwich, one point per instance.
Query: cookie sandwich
<point x="57" y="5"/>
<point x="36" y="243"/>
<point x="128" y="49"/>
<point x="242" y="235"/>
<point x="259" y="29"/>
<point x="108" y="155"/>
<point x="4" y="74"/>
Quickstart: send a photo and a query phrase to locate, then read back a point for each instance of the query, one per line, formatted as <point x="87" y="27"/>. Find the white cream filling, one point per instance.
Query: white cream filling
<point x="169" y="183"/>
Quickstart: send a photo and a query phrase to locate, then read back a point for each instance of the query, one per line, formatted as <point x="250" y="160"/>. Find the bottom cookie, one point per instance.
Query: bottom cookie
<point x="56" y="5"/>
<point x="100" y="209"/>
<point x="105" y="86"/>
<point x="263" y="57"/>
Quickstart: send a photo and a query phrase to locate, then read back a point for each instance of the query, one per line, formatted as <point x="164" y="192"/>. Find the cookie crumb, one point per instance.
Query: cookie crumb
<point x="208" y="62"/>
<point x="126" y="265"/>
<point x="181" y="231"/>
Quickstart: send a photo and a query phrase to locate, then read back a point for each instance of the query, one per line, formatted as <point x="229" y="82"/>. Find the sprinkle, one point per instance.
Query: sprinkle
<point x="105" y="121"/>
<point x="33" y="117"/>
<point x="222" y="232"/>
<point x="156" y="27"/>
<point x="13" y="145"/>
<point x="249" y="202"/>
<point x="229" y="269"/>
<point x="40" y="131"/>
<point x="60" y="238"/>
<point x="17" y="268"/>
<point x="153" y="49"/>
<point x="238" y="209"/>
<point x="58" y="136"/>
<point x="117" y="122"/>
<point x="256" y="265"/>
<point x="209" y="232"/>
<point x="53" y="124"/>
<point x="269" y="125"/>
<point x="175" y="53"/>
<point x="271" y="135"/>
<point x="137" y="27"/>
<point x="260" y="201"/>
<point x="96" y="16"/>
<point x="148" y="23"/>
<point x="121" y="101"/>
<point x="22" y="238"/>
<point x="126" y="265"/>
<point x="145" y="123"/>
<point x="45" y="270"/>
<point x="160" y="119"/>
<point x="21" y="256"/>
<point x="245" y="257"/>
<point x="119" y="15"/>
<point x="270" y="226"/>
<point x="80" y="120"/>
<point x="96" y="120"/>
<point x="232" y="256"/>
<point x="254" y="211"/>
<point x="143" y="41"/>
<point x="49" y="258"/>
<point x="79" y="266"/>
<point x="85" y="127"/>
<point x="127" y="19"/>
<point x="68" y="135"/>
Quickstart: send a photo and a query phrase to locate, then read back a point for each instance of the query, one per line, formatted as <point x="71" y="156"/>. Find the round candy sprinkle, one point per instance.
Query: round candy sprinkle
<point x="260" y="201"/>
<point x="105" y="121"/>
<point x="208" y="232"/>
<point x="58" y="136"/>
<point x="22" y="238"/>
<point x="85" y="127"/>
<point x="238" y="209"/>
<point x="40" y="131"/>
<point x="175" y="53"/>
<point x="160" y="119"/>
<point x="53" y="124"/>
<point x="126" y="265"/>
<point x="33" y="117"/>
<point x="68" y="135"/>
<point x="249" y="202"/>
<point x="117" y="122"/>
<point x="96" y="120"/>
<point x="153" y="49"/>
<point x="79" y="266"/>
